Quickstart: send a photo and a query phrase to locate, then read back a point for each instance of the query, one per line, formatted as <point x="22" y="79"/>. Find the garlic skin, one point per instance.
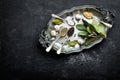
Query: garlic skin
<point x="68" y="18"/>
<point x="70" y="22"/>
<point x="53" y="33"/>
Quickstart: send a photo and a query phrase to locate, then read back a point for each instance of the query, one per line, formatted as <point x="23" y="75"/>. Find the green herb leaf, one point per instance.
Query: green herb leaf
<point x="99" y="28"/>
<point x="57" y="21"/>
<point x="95" y="23"/>
<point x="89" y="25"/>
<point x="89" y="30"/>
<point x="96" y="27"/>
<point x="72" y="43"/>
<point x="83" y="33"/>
<point x="90" y="40"/>
<point x="80" y="27"/>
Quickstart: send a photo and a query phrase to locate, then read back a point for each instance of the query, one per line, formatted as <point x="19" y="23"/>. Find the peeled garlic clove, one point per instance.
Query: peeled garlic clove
<point x="57" y="27"/>
<point x="77" y="16"/>
<point x="81" y="41"/>
<point x="53" y="33"/>
<point x="77" y="46"/>
<point x="53" y="38"/>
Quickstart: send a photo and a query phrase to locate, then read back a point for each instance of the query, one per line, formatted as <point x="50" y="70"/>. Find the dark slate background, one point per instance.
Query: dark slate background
<point x="23" y="58"/>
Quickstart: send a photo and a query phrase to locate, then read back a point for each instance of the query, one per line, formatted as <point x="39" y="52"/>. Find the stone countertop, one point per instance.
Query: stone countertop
<point x="23" y="58"/>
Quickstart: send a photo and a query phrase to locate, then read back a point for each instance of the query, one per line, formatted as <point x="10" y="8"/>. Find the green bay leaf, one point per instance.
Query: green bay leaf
<point x="72" y="43"/>
<point x="89" y="41"/>
<point x="57" y="21"/>
<point x="99" y="28"/>
<point x="95" y="23"/>
<point x="83" y="33"/>
<point x="92" y="28"/>
<point x="89" y="30"/>
<point x="80" y="27"/>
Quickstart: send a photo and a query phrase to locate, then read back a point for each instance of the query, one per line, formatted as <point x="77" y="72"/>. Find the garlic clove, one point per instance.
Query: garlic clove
<point x="53" y="33"/>
<point x="57" y="27"/>
<point x="81" y="41"/>
<point x="78" y="16"/>
<point x="53" y="38"/>
<point x="77" y="46"/>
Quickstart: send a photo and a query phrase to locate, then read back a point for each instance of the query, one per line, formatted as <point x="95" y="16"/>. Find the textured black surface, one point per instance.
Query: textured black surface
<point x="22" y="57"/>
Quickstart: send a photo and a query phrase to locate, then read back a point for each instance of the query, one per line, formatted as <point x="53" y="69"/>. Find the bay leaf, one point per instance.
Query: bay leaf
<point x="80" y="27"/>
<point x="89" y="30"/>
<point x="72" y="43"/>
<point x="57" y="21"/>
<point x="83" y="33"/>
<point x="90" y="40"/>
<point x="89" y="25"/>
<point x="99" y="28"/>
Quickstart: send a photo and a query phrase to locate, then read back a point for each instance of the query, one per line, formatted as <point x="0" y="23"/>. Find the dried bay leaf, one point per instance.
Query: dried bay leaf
<point x="72" y="43"/>
<point x="57" y="21"/>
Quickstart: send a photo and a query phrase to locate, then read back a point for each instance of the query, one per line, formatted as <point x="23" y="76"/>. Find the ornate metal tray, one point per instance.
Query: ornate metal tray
<point x="71" y="30"/>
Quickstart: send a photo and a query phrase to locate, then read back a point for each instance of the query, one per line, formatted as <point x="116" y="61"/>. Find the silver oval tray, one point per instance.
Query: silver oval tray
<point x="100" y="14"/>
